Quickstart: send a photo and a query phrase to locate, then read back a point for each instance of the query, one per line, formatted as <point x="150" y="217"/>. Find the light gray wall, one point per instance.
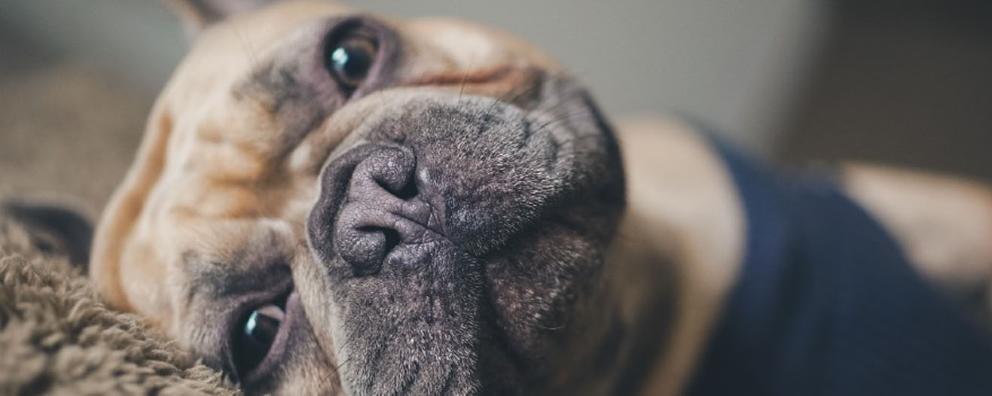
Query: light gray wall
<point x="736" y="64"/>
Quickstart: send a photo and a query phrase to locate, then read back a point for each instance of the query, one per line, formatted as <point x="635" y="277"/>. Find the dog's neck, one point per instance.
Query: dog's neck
<point x="620" y="323"/>
<point x="675" y="255"/>
<point x="644" y="282"/>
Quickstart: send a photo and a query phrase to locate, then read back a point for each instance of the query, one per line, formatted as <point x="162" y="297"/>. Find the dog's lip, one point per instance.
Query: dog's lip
<point x="277" y="351"/>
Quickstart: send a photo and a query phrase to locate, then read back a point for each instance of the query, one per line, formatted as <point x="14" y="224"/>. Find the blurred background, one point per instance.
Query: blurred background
<point x="905" y="82"/>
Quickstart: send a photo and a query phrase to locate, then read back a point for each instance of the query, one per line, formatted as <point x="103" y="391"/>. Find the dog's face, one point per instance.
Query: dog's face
<point x="326" y="200"/>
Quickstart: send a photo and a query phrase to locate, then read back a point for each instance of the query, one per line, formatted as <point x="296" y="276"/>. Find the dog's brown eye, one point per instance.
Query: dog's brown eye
<point x="350" y="59"/>
<point x="255" y="337"/>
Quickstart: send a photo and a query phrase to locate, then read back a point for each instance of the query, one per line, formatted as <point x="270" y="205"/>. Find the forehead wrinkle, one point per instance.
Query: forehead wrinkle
<point x="470" y="44"/>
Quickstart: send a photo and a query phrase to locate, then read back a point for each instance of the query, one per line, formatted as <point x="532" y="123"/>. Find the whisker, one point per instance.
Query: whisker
<point x="382" y="347"/>
<point x="461" y="88"/>
<point x="560" y="119"/>
<point x="518" y="94"/>
<point x="247" y="48"/>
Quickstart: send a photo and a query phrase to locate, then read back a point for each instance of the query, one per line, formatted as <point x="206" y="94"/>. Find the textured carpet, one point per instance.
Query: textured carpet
<point x="57" y="338"/>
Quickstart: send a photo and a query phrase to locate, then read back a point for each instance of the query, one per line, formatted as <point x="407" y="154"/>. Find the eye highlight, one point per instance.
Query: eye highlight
<point x="254" y="337"/>
<point x="350" y="58"/>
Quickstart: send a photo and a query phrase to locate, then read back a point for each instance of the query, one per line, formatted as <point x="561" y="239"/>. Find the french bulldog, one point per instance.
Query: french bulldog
<point x="327" y="201"/>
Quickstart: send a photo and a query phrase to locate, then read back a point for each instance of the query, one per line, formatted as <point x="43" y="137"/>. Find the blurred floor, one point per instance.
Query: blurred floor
<point x="906" y="82"/>
<point x="67" y="132"/>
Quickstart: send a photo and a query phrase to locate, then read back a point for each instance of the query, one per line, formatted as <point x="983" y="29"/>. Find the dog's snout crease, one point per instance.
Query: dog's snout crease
<point x="366" y="231"/>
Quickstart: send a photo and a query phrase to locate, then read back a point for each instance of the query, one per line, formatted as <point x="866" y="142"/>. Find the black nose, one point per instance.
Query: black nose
<point x="379" y="211"/>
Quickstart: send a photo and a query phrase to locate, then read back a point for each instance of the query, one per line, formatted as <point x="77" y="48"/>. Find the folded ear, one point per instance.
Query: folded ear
<point x="54" y="229"/>
<point x="198" y="14"/>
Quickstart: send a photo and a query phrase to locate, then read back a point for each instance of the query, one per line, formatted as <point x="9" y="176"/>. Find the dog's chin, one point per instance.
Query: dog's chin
<point x="450" y="241"/>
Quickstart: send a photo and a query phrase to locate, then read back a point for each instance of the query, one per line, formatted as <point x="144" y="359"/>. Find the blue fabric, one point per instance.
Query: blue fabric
<point x="826" y="304"/>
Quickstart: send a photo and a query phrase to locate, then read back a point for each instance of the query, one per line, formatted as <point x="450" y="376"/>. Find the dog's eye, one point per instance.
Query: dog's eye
<point x="350" y="59"/>
<point x="254" y="338"/>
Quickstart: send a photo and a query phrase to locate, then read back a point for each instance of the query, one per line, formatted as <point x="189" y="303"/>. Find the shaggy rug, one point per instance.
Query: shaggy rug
<point x="56" y="337"/>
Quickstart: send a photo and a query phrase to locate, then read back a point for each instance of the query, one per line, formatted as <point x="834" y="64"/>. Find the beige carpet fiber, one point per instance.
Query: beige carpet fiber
<point x="57" y="338"/>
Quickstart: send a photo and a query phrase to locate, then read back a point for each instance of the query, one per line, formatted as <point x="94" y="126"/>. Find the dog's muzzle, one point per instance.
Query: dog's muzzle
<point x="412" y="213"/>
<point x="402" y="224"/>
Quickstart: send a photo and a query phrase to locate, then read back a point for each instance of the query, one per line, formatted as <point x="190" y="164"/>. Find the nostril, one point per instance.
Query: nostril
<point x="408" y="191"/>
<point x="392" y="238"/>
<point x="365" y="248"/>
<point x="392" y="170"/>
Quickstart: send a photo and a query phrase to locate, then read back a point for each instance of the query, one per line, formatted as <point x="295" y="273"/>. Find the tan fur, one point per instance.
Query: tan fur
<point x="682" y="211"/>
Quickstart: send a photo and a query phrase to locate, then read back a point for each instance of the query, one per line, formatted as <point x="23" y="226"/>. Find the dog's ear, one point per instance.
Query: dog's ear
<point x="54" y="229"/>
<point x="198" y="14"/>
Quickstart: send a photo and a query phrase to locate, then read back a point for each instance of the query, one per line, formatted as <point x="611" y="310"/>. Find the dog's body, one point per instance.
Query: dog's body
<point x="680" y="190"/>
<point x="454" y="223"/>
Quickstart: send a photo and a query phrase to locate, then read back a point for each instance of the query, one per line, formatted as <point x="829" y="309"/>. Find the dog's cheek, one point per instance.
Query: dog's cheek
<point x="537" y="288"/>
